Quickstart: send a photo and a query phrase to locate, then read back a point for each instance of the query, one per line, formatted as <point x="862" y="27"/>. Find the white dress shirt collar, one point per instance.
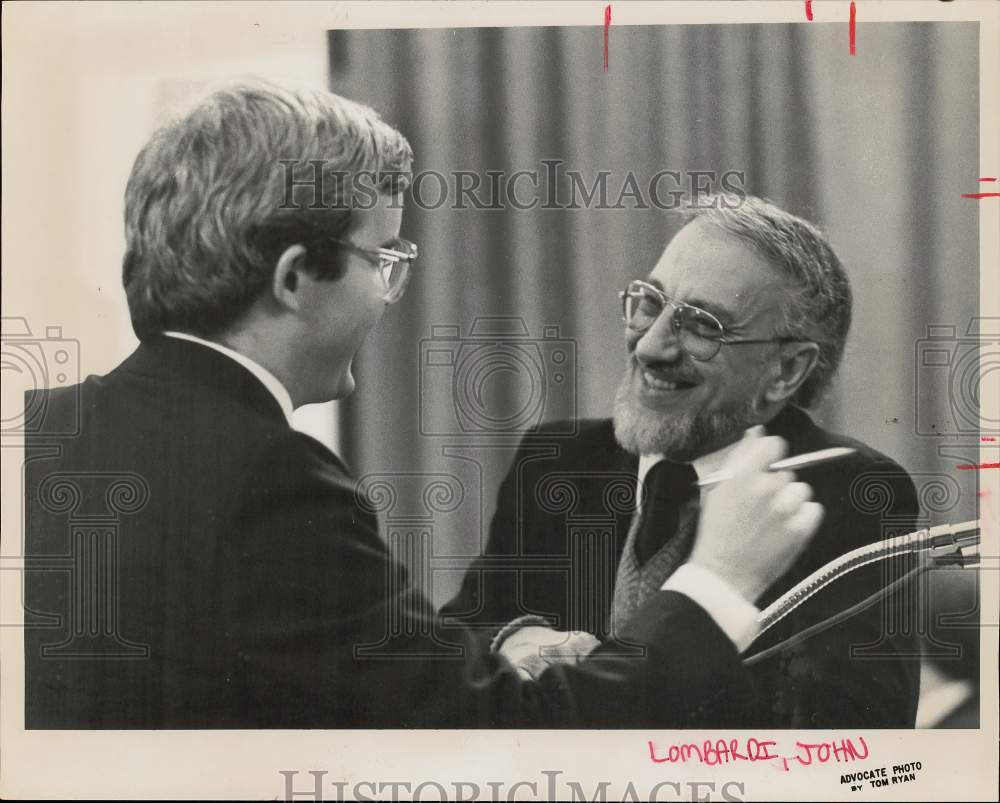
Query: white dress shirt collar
<point x="703" y="466"/>
<point x="269" y="380"/>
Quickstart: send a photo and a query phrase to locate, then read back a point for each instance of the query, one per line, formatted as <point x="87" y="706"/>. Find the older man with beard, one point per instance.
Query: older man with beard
<point x="742" y="322"/>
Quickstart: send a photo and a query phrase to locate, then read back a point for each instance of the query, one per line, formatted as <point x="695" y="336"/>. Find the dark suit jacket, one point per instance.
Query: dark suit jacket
<point x="193" y="562"/>
<point x="562" y="519"/>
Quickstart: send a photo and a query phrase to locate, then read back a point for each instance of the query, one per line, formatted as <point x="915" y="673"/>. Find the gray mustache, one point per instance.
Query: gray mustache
<point x="664" y="371"/>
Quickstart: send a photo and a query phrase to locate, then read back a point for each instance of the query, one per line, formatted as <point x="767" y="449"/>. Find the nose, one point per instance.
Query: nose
<point x="659" y="343"/>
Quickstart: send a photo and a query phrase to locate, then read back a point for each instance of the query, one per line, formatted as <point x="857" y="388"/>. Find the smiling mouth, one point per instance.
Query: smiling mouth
<point x="654" y="382"/>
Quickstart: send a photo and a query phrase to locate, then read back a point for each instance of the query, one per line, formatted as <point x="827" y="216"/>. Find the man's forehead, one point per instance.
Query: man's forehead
<point x="706" y="266"/>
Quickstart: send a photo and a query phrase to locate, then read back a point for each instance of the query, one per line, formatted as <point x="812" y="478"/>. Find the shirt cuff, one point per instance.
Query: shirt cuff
<point x="736" y="617"/>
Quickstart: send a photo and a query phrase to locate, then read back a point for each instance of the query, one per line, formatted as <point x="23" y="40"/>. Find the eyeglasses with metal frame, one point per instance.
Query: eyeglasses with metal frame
<point x="394" y="264"/>
<point x="700" y="333"/>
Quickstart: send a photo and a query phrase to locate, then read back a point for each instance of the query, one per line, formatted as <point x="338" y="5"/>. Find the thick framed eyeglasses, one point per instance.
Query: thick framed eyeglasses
<point x="699" y="332"/>
<point x="394" y="264"/>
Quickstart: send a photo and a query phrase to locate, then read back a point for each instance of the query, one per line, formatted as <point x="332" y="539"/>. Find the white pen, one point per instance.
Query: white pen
<point x="788" y="464"/>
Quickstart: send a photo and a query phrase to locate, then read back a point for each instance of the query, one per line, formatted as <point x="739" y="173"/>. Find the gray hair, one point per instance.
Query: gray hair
<point x="820" y="306"/>
<point x="210" y="204"/>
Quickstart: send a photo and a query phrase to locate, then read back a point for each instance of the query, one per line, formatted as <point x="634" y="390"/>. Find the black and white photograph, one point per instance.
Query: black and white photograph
<point x="500" y="401"/>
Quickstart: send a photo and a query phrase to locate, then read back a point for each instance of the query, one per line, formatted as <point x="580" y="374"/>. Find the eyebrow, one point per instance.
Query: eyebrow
<point x="726" y="317"/>
<point x="722" y="314"/>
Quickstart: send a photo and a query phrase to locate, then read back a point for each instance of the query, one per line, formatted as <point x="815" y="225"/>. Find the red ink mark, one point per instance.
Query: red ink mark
<point x="973" y="466"/>
<point x="607" y="25"/>
<point x="982" y="494"/>
<point x="808" y="757"/>
<point x="981" y="194"/>
<point x="988" y="439"/>
<point x="852" y="27"/>
<point x="763" y="753"/>
<point x="809" y="10"/>
<point x="727" y="751"/>
<point x="987" y="178"/>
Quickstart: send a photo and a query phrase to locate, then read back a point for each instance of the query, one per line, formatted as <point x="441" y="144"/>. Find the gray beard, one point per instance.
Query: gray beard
<point x="682" y="437"/>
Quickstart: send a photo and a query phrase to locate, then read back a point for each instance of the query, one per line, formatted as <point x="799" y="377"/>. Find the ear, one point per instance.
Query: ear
<point x="797" y="361"/>
<point x="288" y="278"/>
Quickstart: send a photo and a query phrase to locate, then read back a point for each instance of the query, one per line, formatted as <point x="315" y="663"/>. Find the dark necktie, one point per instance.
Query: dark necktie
<point x="668" y="486"/>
